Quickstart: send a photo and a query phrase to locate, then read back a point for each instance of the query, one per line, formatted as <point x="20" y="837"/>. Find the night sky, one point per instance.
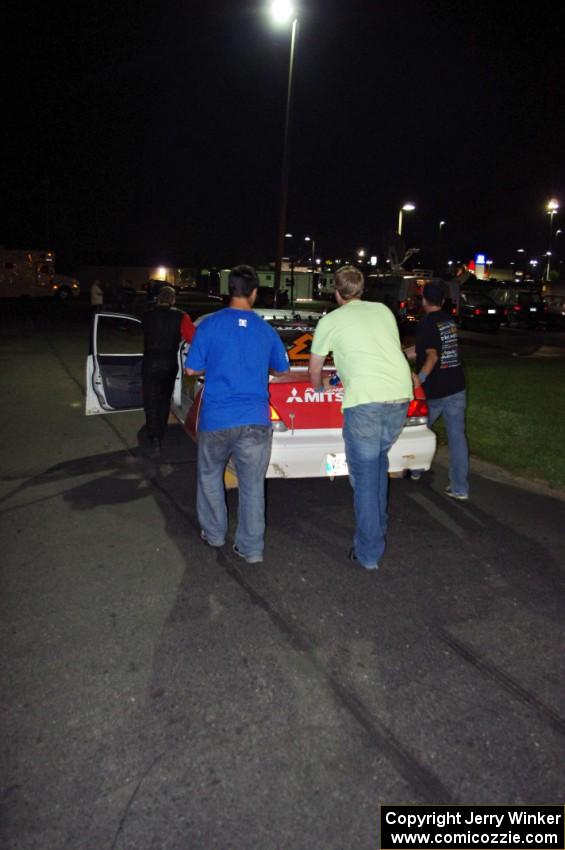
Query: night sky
<point x="155" y="129"/>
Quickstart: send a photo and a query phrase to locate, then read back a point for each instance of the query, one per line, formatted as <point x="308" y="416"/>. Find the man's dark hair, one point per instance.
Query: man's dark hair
<point x="434" y="294"/>
<point x="242" y="281"/>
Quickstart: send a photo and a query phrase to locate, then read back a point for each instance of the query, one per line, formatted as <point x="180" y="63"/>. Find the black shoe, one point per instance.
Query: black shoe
<point x="155" y="448"/>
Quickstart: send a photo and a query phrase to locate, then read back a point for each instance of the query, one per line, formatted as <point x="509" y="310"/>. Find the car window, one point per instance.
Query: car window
<point x="499" y="296"/>
<point x="529" y="298"/>
<point x="479" y="298"/>
<point x="297" y="338"/>
<point x="119" y="335"/>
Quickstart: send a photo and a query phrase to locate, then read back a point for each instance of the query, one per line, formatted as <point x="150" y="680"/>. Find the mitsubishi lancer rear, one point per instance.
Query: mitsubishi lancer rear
<point x="307" y="425"/>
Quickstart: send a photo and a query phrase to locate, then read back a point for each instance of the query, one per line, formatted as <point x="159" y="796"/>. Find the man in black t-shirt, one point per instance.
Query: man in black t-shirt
<point x="439" y="368"/>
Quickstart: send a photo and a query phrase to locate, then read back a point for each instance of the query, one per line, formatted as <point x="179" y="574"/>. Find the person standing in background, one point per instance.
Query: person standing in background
<point x="96" y="297"/>
<point x="439" y="370"/>
<point x="163" y="329"/>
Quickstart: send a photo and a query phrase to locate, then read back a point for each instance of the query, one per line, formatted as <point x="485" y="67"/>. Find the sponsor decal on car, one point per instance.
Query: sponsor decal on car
<point x="300" y="348"/>
<point x="310" y="395"/>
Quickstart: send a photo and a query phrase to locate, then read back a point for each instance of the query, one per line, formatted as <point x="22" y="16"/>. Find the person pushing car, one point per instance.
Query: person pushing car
<point x="363" y="337"/>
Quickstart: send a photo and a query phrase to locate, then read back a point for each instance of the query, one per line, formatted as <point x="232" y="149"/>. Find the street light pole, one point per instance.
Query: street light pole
<point x="441" y="226"/>
<point x="552" y="207"/>
<point x="404" y="208"/>
<point x="313" y="249"/>
<point x="285" y="161"/>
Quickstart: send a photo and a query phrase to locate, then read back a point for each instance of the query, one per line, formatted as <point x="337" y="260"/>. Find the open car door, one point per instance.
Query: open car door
<point x="113" y="367"/>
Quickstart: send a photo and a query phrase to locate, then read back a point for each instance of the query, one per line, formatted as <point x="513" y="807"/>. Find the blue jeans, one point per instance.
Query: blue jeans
<point x="369" y="430"/>
<point x="452" y="408"/>
<point x="250" y="446"/>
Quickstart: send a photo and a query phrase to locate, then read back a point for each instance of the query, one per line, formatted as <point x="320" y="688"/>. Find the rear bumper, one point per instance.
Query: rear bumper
<point x="303" y="454"/>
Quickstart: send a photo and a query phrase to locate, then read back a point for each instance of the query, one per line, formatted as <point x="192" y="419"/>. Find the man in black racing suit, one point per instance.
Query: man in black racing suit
<point x="163" y="328"/>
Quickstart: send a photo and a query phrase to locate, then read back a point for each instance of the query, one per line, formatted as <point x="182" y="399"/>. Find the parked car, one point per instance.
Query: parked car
<point x="403" y="295"/>
<point x="525" y="305"/>
<point x="555" y="310"/>
<point x="307" y="426"/>
<point x="477" y="310"/>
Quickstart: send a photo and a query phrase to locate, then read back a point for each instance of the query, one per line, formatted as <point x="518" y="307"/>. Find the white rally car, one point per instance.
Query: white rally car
<point x="307" y="426"/>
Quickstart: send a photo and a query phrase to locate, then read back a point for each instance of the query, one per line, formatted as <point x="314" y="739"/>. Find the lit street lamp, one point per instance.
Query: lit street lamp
<point x="403" y="209"/>
<point x="440" y="228"/>
<point x="313" y="252"/>
<point x="552" y="207"/>
<point x="282" y="12"/>
<point x="287" y="236"/>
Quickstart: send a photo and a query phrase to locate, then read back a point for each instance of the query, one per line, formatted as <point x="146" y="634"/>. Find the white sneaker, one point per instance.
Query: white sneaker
<point x="205" y="539"/>
<point x="251" y="559"/>
<point x="459" y="496"/>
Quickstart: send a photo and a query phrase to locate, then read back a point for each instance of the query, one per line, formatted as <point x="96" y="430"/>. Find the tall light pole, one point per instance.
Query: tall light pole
<point x="283" y="11"/>
<point x="440" y="228"/>
<point x="403" y="209"/>
<point x="552" y="207"/>
<point x="313" y="251"/>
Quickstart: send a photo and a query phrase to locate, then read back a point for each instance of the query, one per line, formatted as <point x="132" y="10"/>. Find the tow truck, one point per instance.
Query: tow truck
<point x="31" y="273"/>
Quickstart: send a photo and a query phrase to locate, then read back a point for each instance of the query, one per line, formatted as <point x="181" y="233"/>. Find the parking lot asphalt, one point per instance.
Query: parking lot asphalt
<point x="161" y="694"/>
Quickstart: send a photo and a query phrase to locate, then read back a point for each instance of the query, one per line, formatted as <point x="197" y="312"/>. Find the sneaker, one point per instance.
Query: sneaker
<point x="251" y="559"/>
<point x="459" y="496"/>
<point x="155" y="448"/>
<point x="352" y="555"/>
<point x="205" y="539"/>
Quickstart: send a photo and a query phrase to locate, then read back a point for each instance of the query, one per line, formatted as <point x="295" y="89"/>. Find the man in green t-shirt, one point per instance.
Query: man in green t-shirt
<point x="377" y="386"/>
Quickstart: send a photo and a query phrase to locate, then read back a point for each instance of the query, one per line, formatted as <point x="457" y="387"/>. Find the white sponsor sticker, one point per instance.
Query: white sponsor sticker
<point x="336" y="464"/>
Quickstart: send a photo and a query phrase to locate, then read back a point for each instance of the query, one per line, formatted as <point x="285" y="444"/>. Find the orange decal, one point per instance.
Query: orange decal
<point x="300" y="349"/>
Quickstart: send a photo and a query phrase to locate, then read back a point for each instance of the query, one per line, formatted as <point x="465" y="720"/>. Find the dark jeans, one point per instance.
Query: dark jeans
<point x="158" y="383"/>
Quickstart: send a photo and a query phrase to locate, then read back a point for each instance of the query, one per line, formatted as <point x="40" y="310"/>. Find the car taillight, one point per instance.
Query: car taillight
<point x="477" y="311"/>
<point x="276" y="421"/>
<point x="417" y="413"/>
<point x="517" y="308"/>
<point x="454" y="311"/>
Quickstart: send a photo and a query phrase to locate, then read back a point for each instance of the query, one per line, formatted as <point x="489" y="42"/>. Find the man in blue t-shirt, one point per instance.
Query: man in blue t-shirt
<point x="235" y="348"/>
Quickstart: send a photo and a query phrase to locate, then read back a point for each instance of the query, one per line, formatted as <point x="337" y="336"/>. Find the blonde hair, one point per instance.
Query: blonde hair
<point x="349" y="282"/>
<point x="166" y="295"/>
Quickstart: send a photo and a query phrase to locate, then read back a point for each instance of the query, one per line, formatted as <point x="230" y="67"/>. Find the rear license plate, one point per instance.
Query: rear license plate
<point x="336" y="464"/>
<point x="492" y="312"/>
<point x="533" y="309"/>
